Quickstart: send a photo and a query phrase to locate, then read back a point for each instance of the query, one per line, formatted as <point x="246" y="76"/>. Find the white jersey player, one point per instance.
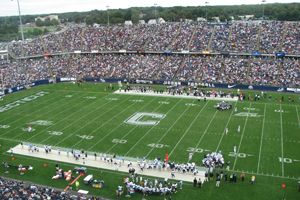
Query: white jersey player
<point x="226" y="131"/>
<point x="190" y="156"/>
<point x="29" y="129"/>
<point x="234" y="150"/>
<point x="239" y="129"/>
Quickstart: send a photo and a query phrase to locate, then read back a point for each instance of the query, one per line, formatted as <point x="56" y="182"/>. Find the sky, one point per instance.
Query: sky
<point x="10" y="7"/>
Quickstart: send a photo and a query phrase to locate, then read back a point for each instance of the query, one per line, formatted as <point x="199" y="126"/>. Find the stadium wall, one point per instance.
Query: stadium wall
<point x="157" y="82"/>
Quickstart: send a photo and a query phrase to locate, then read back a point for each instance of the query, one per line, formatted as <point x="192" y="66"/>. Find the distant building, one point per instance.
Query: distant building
<point x="201" y="19"/>
<point x="188" y="20"/>
<point x="50" y="17"/>
<point x="246" y="17"/>
<point x="128" y="23"/>
<point x="152" y="21"/>
<point x="156" y="21"/>
<point x="142" y="22"/>
<point x="161" y="20"/>
<point x="216" y="19"/>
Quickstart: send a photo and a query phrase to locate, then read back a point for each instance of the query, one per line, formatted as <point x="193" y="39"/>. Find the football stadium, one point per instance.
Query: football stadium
<point x="155" y="108"/>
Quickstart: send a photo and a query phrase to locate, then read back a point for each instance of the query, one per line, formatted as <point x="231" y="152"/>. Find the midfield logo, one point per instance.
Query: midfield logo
<point x="138" y="118"/>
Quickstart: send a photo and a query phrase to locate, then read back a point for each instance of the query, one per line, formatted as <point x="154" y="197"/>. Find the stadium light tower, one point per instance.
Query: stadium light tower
<point x="206" y="3"/>
<point x="107" y="10"/>
<point x="155" y="5"/>
<point x="263" y="9"/>
<point x="21" y="25"/>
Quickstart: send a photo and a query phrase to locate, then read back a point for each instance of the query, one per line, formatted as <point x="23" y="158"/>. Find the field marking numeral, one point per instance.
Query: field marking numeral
<point x="190" y="104"/>
<point x="247" y="114"/>
<point x="196" y="150"/>
<point x="251" y="109"/>
<point x="4" y="126"/>
<point x="137" y="100"/>
<point x="240" y="155"/>
<point x="279" y="111"/>
<point x="287" y="160"/>
<point x="112" y="99"/>
<point x="158" y="146"/>
<point x="86" y="137"/>
<point x="163" y="102"/>
<point x="55" y="133"/>
<point x="119" y="141"/>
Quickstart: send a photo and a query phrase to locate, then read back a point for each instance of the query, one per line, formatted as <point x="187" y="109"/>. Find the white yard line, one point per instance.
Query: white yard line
<point x="46" y="114"/>
<point x="281" y="130"/>
<point x="297" y="115"/>
<point x="262" y="174"/>
<point x="66" y="117"/>
<point x="170" y="128"/>
<point x="205" y="131"/>
<point x="148" y="132"/>
<point x="107" y="151"/>
<point x="94" y="119"/>
<point x="261" y="138"/>
<point x="238" y="150"/>
<point x="32" y="113"/>
<point x="111" y="131"/>
<point x="225" y="127"/>
<point x="187" y="130"/>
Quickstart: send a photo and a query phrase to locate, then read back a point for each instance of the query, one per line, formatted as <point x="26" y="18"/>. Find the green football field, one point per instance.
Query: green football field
<point x="94" y="119"/>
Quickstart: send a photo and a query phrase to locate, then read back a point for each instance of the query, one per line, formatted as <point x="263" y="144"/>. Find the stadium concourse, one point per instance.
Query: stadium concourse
<point x="106" y="162"/>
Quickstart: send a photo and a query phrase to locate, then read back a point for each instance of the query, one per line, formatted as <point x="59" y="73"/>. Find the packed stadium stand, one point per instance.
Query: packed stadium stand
<point x="233" y="53"/>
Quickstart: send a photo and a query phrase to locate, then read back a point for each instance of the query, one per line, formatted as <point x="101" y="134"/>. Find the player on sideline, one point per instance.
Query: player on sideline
<point x="190" y="156"/>
<point x="226" y="131"/>
<point x="29" y="129"/>
<point x="239" y="129"/>
<point x="234" y="150"/>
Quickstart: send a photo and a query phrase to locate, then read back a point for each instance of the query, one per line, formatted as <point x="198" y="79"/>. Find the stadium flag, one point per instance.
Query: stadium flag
<point x="167" y="157"/>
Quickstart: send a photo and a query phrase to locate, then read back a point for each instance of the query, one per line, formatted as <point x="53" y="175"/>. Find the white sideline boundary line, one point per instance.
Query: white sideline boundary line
<point x="188" y="129"/>
<point x="281" y="131"/>
<point x="165" y="94"/>
<point x="261" y="139"/>
<point x="297" y="115"/>
<point x="98" y="163"/>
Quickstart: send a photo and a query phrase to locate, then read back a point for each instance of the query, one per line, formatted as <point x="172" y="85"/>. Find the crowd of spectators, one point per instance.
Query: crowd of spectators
<point x="13" y="189"/>
<point x="203" y="69"/>
<point x="239" y="37"/>
<point x="242" y="37"/>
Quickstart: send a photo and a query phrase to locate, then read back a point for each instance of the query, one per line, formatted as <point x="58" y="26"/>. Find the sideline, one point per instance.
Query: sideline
<point x="166" y="94"/>
<point x="117" y="165"/>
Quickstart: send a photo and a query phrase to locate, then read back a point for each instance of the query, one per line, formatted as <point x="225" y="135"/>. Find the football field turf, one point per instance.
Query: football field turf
<point x="94" y="119"/>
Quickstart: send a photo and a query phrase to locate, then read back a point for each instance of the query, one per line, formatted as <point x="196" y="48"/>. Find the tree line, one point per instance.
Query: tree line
<point x="282" y="12"/>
